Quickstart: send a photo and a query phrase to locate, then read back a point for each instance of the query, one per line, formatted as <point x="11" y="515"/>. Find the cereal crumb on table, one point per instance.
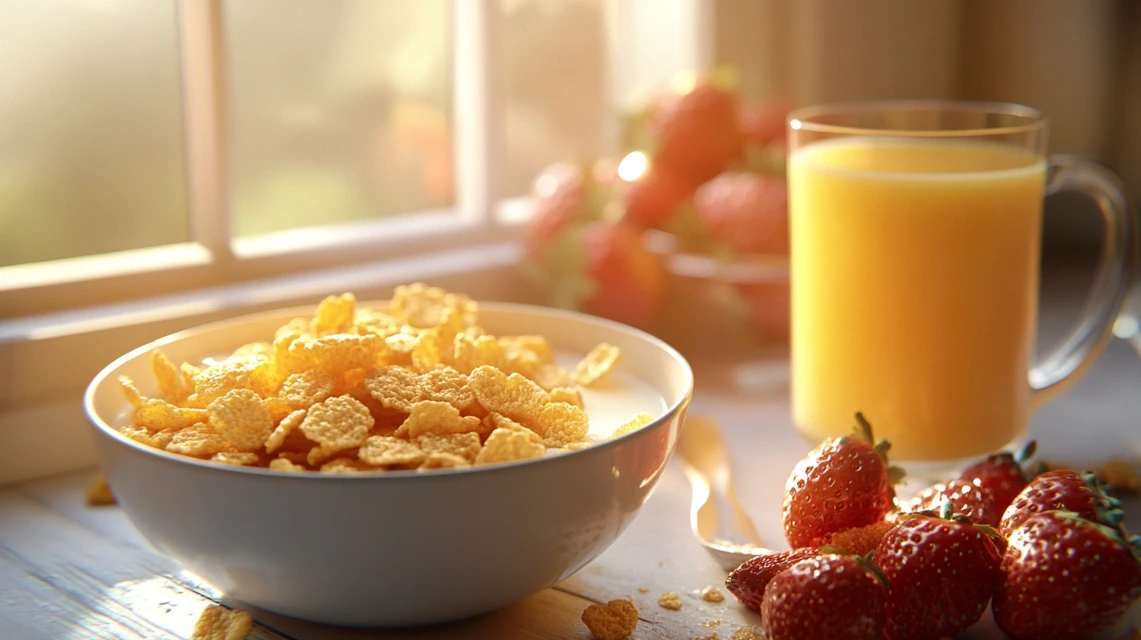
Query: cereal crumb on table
<point x="614" y="620"/>
<point x="98" y="492"/>
<point x="219" y="623"/>
<point x="643" y="590"/>
<point x="712" y="594"/>
<point x="748" y="633"/>
<point x="712" y="636"/>
<point x="716" y="622"/>
<point x="670" y="600"/>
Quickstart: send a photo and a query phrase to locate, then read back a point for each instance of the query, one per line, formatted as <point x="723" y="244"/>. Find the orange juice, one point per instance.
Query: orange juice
<point x="914" y="291"/>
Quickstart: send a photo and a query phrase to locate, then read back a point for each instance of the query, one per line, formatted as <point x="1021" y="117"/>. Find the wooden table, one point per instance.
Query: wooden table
<point x="65" y="566"/>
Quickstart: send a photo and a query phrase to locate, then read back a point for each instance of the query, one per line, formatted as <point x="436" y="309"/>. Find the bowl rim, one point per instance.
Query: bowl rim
<point x="99" y="426"/>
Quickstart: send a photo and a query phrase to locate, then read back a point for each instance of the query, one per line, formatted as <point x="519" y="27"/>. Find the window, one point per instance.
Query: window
<point x="169" y="162"/>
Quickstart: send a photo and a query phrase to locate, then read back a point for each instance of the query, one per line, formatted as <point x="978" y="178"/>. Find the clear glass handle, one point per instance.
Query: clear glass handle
<point x="1114" y="275"/>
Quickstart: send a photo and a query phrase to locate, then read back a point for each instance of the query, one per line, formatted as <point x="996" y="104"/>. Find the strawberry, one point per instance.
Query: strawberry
<point x="696" y="133"/>
<point x="748" y="581"/>
<point x="1065" y="490"/>
<point x="623" y="280"/>
<point x="830" y="597"/>
<point x="745" y="212"/>
<point x="560" y="196"/>
<point x="655" y="197"/>
<point x="967" y="498"/>
<point x="768" y="305"/>
<point x="942" y="574"/>
<point x="1064" y="577"/>
<point x="763" y="124"/>
<point x="844" y="483"/>
<point x="1002" y="475"/>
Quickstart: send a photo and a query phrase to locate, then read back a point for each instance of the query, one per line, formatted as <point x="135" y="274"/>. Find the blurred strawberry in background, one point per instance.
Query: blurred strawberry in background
<point x="691" y="219"/>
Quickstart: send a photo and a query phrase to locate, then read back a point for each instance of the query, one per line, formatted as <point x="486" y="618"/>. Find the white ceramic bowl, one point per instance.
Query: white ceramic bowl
<point x="401" y="548"/>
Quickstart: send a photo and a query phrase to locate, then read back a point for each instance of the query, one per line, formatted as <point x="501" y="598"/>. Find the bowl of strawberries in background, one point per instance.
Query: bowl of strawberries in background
<point x="683" y="233"/>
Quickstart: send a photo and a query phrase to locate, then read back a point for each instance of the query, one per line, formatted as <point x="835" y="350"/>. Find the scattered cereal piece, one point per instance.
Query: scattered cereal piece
<point x="633" y="424"/>
<point x="569" y="395"/>
<point x="643" y="590"/>
<point x="235" y="458"/>
<point x="283" y="464"/>
<point x="1119" y="474"/>
<point x="334" y="315"/>
<point x="614" y="620"/>
<point x="748" y="633"/>
<point x="463" y="445"/>
<point x="440" y="418"/>
<point x="713" y="623"/>
<point x="98" y="492"/>
<point x="712" y="636"/>
<point x="283" y="429"/>
<point x="387" y="451"/>
<point x="512" y="395"/>
<point x="219" y="623"/>
<point x="336" y="424"/>
<point x="712" y="594"/>
<point x="169" y="378"/>
<point x="861" y="540"/>
<point x="670" y="600"/>
<point x="240" y="418"/>
<point x="199" y="441"/>
<point x="600" y="361"/>
<point x="561" y="424"/>
<point x="507" y="444"/>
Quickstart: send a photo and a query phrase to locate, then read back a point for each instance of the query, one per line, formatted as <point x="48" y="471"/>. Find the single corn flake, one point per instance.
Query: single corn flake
<point x="440" y="418"/>
<point x="425" y="307"/>
<point x="535" y="345"/>
<point x="160" y="415"/>
<point x="335" y="314"/>
<point x="633" y="424"/>
<point x="253" y="351"/>
<point x="283" y="429"/>
<point x="235" y="458"/>
<point x="712" y="594"/>
<point x="344" y="465"/>
<point x="426" y="352"/>
<point x="399" y="388"/>
<point x="615" y="620"/>
<point x="198" y="441"/>
<point x="512" y="395"/>
<point x="156" y="439"/>
<point x="240" y="418"/>
<point x="600" y="361"/>
<point x="387" y="451"/>
<point x="188" y="372"/>
<point x="469" y="353"/>
<point x="266" y="378"/>
<point x="169" y="378"/>
<point x="464" y="445"/>
<point x="561" y="424"/>
<point x="336" y="424"/>
<point x="670" y="600"/>
<point x="302" y="390"/>
<point x="131" y="392"/>
<point x="285" y="464"/>
<point x="569" y="395"/>
<point x="98" y="492"/>
<point x="508" y="444"/>
<point x="334" y="354"/>
<point x="441" y="460"/>
<point x="219" y="379"/>
<point x="219" y="623"/>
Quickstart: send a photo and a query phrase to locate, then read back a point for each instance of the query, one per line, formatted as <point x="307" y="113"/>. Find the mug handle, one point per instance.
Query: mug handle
<point x="1114" y="277"/>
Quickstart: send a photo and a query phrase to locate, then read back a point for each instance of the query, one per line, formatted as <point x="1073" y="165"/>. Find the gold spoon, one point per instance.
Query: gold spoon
<point x="717" y="519"/>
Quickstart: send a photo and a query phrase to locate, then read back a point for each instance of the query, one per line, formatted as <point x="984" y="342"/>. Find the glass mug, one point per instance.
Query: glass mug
<point x="915" y="242"/>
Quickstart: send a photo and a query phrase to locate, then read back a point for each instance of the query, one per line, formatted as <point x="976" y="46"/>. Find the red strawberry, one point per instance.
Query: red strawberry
<point x="842" y="484"/>
<point x="1001" y="475"/>
<point x="748" y="213"/>
<point x="654" y="198"/>
<point x="625" y="282"/>
<point x="942" y="575"/>
<point x="763" y="123"/>
<point x="967" y="499"/>
<point x="831" y="597"/>
<point x="748" y="581"/>
<point x="696" y="133"/>
<point x="1064" y="577"/>
<point x="1062" y="490"/>
<point x="768" y="305"/>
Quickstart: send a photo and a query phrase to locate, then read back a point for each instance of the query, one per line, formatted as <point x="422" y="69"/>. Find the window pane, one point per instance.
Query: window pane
<point x="553" y="56"/>
<point x="341" y="110"/>
<point x="91" y="154"/>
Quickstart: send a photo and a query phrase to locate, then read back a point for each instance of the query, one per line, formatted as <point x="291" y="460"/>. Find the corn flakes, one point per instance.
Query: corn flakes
<point x="614" y="620"/>
<point x="417" y="386"/>
<point x="219" y="623"/>
<point x="98" y="492"/>
<point x="633" y="424"/>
